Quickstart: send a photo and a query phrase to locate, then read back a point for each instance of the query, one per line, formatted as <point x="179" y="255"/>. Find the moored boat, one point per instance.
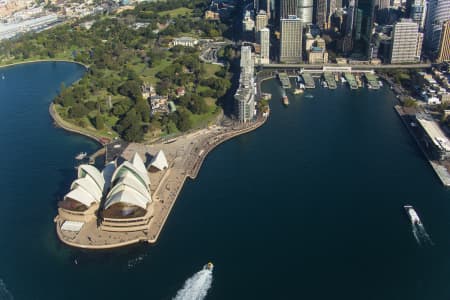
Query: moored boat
<point x="285" y="100"/>
<point x="81" y="156"/>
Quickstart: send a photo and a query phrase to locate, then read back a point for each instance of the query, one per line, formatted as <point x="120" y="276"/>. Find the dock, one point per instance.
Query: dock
<point x="284" y="79"/>
<point x="329" y="78"/>
<point x="309" y="81"/>
<point x="351" y="81"/>
<point x="441" y="170"/>
<point x="372" y="81"/>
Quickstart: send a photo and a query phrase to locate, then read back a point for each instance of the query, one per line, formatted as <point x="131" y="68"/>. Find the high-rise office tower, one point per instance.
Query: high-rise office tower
<point x="264" y="36"/>
<point x="305" y="11"/>
<point x="321" y="13"/>
<point x="438" y="12"/>
<point x="363" y="26"/>
<point x="288" y="8"/>
<point x="261" y="21"/>
<point x="405" y="38"/>
<point x="291" y="40"/>
<point x="415" y="10"/>
<point x="444" y="45"/>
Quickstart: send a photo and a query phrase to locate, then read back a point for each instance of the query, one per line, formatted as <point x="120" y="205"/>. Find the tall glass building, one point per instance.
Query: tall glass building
<point x="363" y="26"/>
<point x="437" y="13"/>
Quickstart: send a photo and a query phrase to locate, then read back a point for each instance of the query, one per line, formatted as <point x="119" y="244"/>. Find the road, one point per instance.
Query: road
<point x="362" y="66"/>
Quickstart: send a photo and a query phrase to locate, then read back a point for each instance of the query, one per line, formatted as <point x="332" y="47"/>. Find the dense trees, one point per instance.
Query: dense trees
<point x="109" y="96"/>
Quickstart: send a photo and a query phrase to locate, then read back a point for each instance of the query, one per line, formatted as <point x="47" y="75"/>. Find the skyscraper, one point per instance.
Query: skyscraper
<point x="415" y="10"/>
<point x="288" y="8"/>
<point x="444" y="45"/>
<point x="363" y="26"/>
<point x="438" y="12"/>
<point x="261" y="21"/>
<point x="264" y="36"/>
<point x="291" y="40"/>
<point x="405" y="37"/>
<point x="305" y="11"/>
<point x="324" y="11"/>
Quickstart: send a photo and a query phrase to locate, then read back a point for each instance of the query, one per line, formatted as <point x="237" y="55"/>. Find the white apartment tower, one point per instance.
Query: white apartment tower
<point x="264" y="35"/>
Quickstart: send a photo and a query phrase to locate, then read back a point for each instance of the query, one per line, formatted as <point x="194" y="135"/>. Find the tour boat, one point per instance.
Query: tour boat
<point x="285" y="100"/>
<point x="209" y="266"/>
<point x="81" y="156"/>
<point x="412" y="215"/>
<point x="298" y="91"/>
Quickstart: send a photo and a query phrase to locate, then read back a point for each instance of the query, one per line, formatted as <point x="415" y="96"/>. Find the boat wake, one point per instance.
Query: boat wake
<point x="196" y="287"/>
<point x="421" y="235"/>
<point x="4" y="293"/>
<point x="131" y="263"/>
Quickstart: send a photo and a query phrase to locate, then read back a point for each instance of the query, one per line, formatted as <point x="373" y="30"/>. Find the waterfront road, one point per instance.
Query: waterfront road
<point x="353" y="66"/>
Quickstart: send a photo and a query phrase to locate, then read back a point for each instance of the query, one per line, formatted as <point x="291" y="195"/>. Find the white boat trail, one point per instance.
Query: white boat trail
<point x="197" y="286"/>
<point x="421" y="235"/>
<point x="4" y="293"/>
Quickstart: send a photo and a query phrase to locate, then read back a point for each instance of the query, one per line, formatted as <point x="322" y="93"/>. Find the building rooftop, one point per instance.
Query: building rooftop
<point x="435" y="133"/>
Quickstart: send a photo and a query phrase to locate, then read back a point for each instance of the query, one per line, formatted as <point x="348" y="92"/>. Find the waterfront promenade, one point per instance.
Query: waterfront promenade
<point x="185" y="157"/>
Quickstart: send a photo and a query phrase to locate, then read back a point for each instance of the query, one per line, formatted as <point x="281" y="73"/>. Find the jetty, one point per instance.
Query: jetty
<point x="372" y="81"/>
<point x="284" y="79"/>
<point x="309" y="81"/>
<point x="329" y="79"/>
<point x="351" y="81"/>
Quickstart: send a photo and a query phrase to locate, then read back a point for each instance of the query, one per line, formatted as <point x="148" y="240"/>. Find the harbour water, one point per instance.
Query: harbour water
<point x="309" y="206"/>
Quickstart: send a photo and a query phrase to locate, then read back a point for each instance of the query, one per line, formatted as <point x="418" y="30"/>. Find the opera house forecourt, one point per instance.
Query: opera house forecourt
<point x="110" y="208"/>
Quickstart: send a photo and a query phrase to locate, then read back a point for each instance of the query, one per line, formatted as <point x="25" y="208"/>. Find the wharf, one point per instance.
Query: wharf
<point x="284" y="79"/>
<point x="329" y="78"/>
<point x="441" y="170"/>
<point x="351" y="81"/>
<point x="372" y="81"/>
<point x="309" y="81"/>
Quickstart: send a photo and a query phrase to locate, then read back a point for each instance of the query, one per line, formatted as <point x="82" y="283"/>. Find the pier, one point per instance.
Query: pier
<point x="309" y="81"/>
<point x="284" y="79"/>
<point x="351" y="81"/>
<point x="329" y="79"/>
<point x="441" y="168"/>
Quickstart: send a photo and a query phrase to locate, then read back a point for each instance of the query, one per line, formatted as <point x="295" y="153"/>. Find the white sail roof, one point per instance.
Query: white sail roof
<point x="127" y="167"/>
<point x="131" y="181"/>
<point x="159" y="161"/>
<point x="128" y="195"/>
<point x="81" y="195"/>
<point x="138" y="163"/>
<point x="88" y="184"/>
<point x="92" y="171"/>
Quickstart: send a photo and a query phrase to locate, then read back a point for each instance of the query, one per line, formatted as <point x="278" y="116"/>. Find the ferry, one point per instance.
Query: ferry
<point x="81" y="156"/>
<point x="298" y="91"/>
<point x="412" y="215"/>
<point x="209" y="266"/>
<point x="285" y="100"/>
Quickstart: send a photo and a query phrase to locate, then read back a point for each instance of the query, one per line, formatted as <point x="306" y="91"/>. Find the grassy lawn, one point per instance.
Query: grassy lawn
<point x="203" y="120"/>
<point x="148" y="74"/>
<point x="211" y="69"/>
<point x="175" y="12"/>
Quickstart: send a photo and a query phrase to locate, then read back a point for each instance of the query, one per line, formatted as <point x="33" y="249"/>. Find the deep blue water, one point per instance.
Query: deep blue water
<point x="309" y="206"/>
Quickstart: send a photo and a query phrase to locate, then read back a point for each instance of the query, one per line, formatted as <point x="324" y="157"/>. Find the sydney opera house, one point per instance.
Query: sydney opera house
<point x="118" y="198"/>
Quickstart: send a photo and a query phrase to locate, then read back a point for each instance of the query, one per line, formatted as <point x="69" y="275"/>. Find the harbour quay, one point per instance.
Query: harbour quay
<point x="430" y="138"/>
